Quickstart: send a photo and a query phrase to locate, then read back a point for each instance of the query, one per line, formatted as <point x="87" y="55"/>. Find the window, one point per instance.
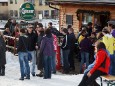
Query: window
<point x="40" y="2"/>
<point x="54" y="13"/>
<point x="86" y="18"/>
<point x="46" y="13"/>
<point x="16" y="13"/>
<point x="15" y="1"/>
<point x="11" y="1"/>
<point x="11" y="12"/>
<point x="40" y="12"/>
<point x="4" y="4"/>
<point x="31" y="1"/>
<point x="69" y="19"/>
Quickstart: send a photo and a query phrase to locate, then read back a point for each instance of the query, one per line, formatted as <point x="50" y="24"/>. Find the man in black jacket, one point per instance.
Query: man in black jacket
<point x="31" y="47"/>
<point x="23" y="56"/>
<point x="72" y="39"/>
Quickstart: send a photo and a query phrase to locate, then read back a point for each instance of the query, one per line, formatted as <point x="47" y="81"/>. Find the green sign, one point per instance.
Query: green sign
<point x="27" y="11"/>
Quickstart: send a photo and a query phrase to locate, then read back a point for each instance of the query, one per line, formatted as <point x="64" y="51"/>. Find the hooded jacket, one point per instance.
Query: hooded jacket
<point x="47" y="46"/>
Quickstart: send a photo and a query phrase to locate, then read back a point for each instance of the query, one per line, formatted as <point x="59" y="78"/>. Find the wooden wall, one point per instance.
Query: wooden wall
<point x="67" y="9"/>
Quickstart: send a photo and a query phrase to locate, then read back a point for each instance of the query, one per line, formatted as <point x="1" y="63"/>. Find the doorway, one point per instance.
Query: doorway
<point x="103" y="20"/>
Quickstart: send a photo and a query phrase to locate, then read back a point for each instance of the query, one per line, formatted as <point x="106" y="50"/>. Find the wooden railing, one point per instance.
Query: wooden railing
<point x="11" y="43"/>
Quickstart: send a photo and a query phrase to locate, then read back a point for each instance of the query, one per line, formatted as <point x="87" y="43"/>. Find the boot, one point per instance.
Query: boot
<point x="3" y="71"/>
<point x="0" y="70"/>
<point x="40" y="74"/>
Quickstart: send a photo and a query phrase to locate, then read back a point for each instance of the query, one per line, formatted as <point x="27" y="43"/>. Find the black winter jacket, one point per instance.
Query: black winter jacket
<point x="22" y="44"/>
<point x="32" y="40"/>
<point x="2" y="51"/>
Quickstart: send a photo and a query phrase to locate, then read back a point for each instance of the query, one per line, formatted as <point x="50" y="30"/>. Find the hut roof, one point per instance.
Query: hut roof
<point x="96" y="2"/>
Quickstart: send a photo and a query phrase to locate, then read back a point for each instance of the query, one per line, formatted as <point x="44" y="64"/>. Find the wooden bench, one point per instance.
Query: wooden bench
<point x="110" y="80"/>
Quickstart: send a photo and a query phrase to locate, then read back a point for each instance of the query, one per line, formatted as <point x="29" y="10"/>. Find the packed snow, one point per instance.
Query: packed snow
<point x="13" y="74"/>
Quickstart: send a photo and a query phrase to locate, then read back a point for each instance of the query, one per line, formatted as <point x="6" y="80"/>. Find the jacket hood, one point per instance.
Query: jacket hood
<point x="49" y="35"/>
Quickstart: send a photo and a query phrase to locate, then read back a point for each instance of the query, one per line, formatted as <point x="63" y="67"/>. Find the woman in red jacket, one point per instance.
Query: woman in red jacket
<point x="101" y="66"/>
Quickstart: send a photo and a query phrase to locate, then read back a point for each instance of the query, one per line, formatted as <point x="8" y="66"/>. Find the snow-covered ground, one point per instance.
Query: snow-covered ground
<point x="13" y="75"/>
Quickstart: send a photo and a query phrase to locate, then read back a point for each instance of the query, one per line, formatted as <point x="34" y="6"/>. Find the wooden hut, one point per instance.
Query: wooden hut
<point x="80" y="12"/>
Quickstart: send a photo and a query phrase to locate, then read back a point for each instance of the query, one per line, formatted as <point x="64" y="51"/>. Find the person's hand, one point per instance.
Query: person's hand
<point x="88" y="74"/>
<point x="36" y="47"/>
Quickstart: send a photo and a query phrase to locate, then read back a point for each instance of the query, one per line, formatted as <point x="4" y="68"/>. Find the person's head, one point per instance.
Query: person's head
<point x="70" y="30"/>
<point x="69" y="26"/>
<point x="93" y="34"/>
<point x="99" y="35"/>
<point x="105" y="30"/>
<point x="64" y="31"/>
<point x="39" y="26"/>
<point x="50" y="24"/>
<point x="22" y="31"/>
<point x="111" y="24"/>
<point x="89" y="24"/>
<point x="7" y="30"/>
<point x="9" y="20"/>
<point x="86" y="35"/>
<point x="48" y="31"/>
<point x="99" y="45"/>
<point x="40" y="32"/>
<point x="30" y="28"/>
<point x="13" y="21"/>
<point x="83" y="32"/>
<point x="96" y="28"/>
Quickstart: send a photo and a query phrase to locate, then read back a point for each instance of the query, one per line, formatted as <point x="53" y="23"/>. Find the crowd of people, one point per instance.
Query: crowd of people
<point x="94" y="47"/>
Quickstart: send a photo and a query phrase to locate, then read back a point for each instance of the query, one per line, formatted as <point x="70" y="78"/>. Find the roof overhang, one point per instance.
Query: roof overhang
<point x="81" y="2"/>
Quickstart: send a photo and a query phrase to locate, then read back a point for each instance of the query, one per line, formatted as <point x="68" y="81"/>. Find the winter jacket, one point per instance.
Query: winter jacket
<point x="102" y="62"/>
<point x="39" y="57"/>
<point x="65" y="43"/>
<point x="113" y="33"/>
<point x="32" y="38"/>
<point x="92" y="65"/>
<point x="6" y="33"/>
<point x="80" y="38"/>
<point x="2" y="51"/>
<point x="8" y="25"/>
<point x="85" y="45"/>
<point x="109" y="42"/>
<point x="39" y="39"/>
<point x="22" y="43"/>
<point x="89" y="30"/>
<point x="47" y="46"/>
<point x="72" y="41"/>
<point x="55" y="42"/>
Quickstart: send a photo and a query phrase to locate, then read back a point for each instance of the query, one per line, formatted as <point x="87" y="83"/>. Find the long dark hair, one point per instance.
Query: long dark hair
<point x="48" y="33"/>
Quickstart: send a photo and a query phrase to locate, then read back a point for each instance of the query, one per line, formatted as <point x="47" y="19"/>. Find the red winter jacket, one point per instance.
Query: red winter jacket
<point x="100" y="57"/>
